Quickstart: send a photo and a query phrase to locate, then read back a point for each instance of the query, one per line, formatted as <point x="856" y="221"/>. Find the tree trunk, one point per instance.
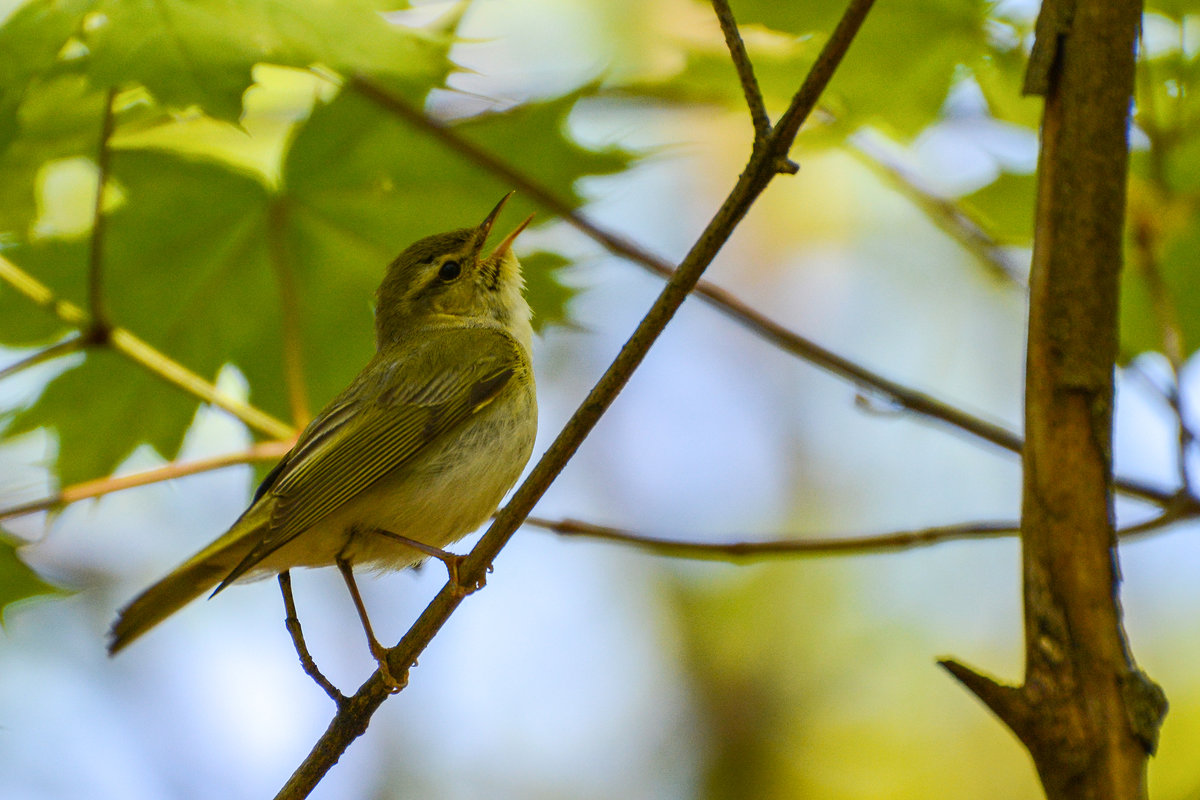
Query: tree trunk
<point x="1087" y="715"/>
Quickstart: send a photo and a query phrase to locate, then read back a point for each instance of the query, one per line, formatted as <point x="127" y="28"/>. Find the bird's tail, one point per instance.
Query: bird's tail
<point x="185" y="583"/>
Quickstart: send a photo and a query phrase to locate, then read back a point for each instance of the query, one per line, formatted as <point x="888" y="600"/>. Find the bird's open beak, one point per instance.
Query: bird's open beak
<point x="502" y="248"/>
<point x="485" y="227"/>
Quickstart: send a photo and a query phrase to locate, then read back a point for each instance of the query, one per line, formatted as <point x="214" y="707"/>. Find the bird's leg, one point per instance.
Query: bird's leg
<point x="377" y="650"/>
<point x="293" y="627"/>
<point x="451" y="560"/>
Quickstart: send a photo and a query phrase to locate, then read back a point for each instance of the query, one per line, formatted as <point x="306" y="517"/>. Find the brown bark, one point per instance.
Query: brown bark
<point x="1087" y="715"/>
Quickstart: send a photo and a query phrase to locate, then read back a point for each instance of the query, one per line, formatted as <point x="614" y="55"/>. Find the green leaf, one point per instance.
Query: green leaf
<point x="60" y="119"/>
<point x="185" y="268"/>
<point x="534" y="139"/>
<point x="1175" y="9"/>
<point x="200" y="53"/>
<point x="17" y="581"/>
<point x="58" y="263"/>
<point x="1005" y="207"/>
<point x="708" y="76"/>
<point x="101" y="411"/>
<point x="30" y="42"/>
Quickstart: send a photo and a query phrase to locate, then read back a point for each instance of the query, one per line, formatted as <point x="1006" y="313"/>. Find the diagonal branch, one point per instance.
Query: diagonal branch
<point x="945" y="213"/>
<point x="142" y="353"/>
<point x="745" y="70"/>
<point x="56" y="350"/>
<point x="353" y="717"/>
<point x="721" y="299"/>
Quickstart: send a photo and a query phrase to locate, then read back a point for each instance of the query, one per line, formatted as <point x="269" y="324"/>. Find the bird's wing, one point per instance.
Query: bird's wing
<point x="392" y="411"/>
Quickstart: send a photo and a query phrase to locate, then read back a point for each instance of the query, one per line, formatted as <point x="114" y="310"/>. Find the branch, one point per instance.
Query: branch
<point x="141" y="353"/>
<point x="748" y="551"/>
<point x="1087" y="715"/>
<point x="720" y="299"/>
<point x="65" y="347"/>
<point x="745" y="70"/>
<point x="764" y="163"/>
<point x="812" y="546"/>
<point x="263" y="451"/>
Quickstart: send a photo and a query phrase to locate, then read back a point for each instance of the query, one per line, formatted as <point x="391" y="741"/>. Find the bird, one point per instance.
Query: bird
<point x="416" y="452"/>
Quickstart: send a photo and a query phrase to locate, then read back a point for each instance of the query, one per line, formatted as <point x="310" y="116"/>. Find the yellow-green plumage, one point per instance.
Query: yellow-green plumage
<point x="424" y="442"/>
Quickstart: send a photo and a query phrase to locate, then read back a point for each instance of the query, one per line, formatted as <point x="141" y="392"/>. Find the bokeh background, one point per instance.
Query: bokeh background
<point x="590" y="670"/>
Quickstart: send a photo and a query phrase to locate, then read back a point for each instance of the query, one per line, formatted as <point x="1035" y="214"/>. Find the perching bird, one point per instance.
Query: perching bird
<point x="419" y="449"/>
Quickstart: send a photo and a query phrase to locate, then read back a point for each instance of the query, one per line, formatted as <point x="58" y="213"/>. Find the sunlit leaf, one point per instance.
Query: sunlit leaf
<point x="60" y="120"/>
<point x="201" y="52"/>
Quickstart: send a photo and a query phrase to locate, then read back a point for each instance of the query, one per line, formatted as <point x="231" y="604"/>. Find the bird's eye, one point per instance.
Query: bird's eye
<point x="450" y="270"/>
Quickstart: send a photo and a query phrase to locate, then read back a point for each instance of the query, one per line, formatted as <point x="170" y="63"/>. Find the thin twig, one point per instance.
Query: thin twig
<point x="292" y="621"/>
<point x="719" y="298"/>
<point x="96" y="305"/>
<point x="56" y="350"/>
<point x="143" y="354"/>
<point x="745" y="70"/>
<point x="1169" y="395"/>
<point x="263" y="451"/>
<point x="1145" y="251"/>
<point x="289" y="300"/>
<point x="814" y="546"/>
<point x="748" y="551"/>
<point x="949" y="216"/>
<point x="764" y="163"/>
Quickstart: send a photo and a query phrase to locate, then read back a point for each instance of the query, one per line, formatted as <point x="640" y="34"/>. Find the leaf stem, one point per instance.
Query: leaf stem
<point x="289" y="299"/>
<point x="96" y="304"/>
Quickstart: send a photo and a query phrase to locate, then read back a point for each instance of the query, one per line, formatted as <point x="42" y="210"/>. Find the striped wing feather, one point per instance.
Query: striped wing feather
<point x="391" y="412"/>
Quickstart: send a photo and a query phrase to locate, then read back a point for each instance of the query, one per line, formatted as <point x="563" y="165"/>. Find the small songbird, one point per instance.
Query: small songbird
<point x="415" y="453"/>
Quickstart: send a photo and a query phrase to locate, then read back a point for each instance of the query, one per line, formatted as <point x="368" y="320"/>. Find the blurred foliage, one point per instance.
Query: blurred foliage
<point x="17" y="581"/>
<point x="201" y="242"/>
<point x="896" y="80"/>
